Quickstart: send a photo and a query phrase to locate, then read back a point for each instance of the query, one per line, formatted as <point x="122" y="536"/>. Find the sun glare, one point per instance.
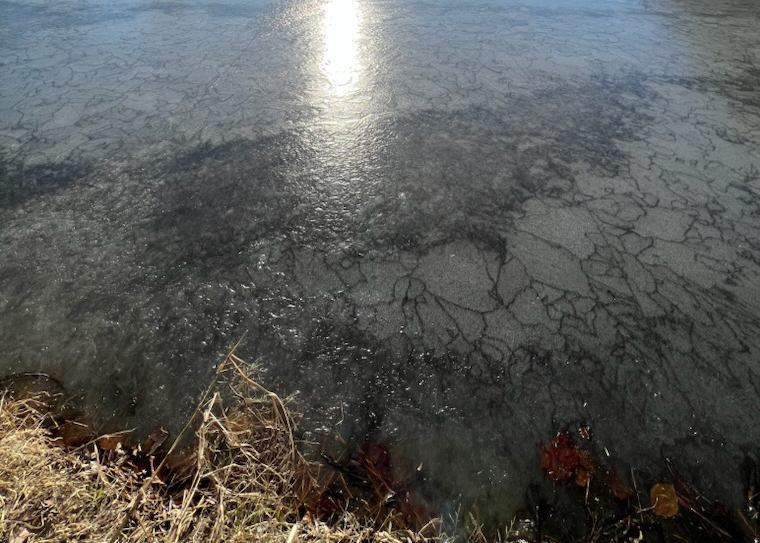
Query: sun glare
<point x="340" y="61"/>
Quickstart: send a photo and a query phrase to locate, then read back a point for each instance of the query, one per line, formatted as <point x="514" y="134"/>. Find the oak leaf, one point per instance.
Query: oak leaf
<point x="564" y="462"/>
<point x="664" y="500"/>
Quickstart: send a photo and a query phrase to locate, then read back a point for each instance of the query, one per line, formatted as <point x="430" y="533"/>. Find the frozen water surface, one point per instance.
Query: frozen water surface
<point x="455" y="226"/>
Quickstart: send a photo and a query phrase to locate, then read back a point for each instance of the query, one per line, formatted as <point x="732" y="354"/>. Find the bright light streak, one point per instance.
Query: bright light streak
<point x="341" y="60"/>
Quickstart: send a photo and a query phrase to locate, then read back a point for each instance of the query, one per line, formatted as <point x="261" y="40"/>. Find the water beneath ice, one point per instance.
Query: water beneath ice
<point x="453" y="226"/>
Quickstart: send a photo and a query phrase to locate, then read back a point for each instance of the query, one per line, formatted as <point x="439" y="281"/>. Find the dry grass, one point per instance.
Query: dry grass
<point x="241" y="482"/>
<point x="244" y="480"/>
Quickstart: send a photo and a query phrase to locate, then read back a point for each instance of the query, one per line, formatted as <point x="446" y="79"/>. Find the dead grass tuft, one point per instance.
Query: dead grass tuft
<point x="241" y="482"/>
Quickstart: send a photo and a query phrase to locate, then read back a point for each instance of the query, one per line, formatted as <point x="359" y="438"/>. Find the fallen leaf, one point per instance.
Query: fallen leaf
<point x="664" y="500"/>
<point x="111" y="442"/>
<point x="74" y="434"/>
<point x="564" y="462"/>
<point x="620" y="488"/>
<point x="376" y="461"/>
<point x="155" y="440"/>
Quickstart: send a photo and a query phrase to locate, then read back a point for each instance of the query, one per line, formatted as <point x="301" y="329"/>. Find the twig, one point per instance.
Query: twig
<point x="638" y="498"/>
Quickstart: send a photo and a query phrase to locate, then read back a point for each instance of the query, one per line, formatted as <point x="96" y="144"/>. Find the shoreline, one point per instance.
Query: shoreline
<point x="245" y="477"/>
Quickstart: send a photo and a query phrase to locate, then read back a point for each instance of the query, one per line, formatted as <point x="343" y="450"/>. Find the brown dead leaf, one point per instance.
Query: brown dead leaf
<point x="111" y="442"/>
<point x="181" y="465"/>
<point x="564" y="462"/>
<point x="619" y="488"/>
<point x="664" y="500"/>
<point x="75" y="434"/>
<point x="155" y="440"/>
<point x="376" y="461"/>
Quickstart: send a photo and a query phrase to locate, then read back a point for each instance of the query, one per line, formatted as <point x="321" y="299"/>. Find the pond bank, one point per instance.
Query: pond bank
<point x="244" y="478"/>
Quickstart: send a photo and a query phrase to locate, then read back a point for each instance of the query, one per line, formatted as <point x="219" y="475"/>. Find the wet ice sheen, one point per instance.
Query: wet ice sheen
<point x="461" y="225"/>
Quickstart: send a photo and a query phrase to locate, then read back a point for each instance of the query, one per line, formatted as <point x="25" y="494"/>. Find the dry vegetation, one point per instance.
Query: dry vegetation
<point x="243" y="481"/>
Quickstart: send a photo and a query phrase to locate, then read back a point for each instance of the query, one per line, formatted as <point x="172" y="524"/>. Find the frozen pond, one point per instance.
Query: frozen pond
<point x="454" y="226"/>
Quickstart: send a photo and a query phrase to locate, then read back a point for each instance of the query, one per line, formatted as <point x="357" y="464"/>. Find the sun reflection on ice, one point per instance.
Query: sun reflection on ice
<point x="341" y="61"/>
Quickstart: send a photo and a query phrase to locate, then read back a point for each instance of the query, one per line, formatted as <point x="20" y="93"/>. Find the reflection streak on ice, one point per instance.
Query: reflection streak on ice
<point x="341" y="61"/>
